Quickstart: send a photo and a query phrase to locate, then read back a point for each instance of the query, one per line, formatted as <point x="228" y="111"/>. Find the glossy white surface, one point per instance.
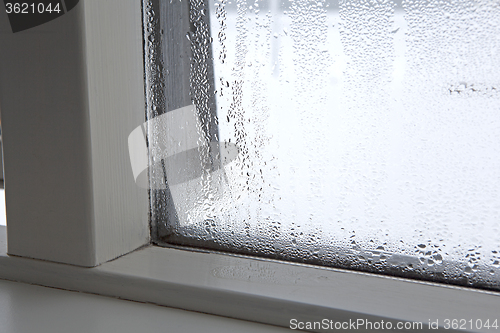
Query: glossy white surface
<point x="28" y="308"/>
<point x="266" y="291"/>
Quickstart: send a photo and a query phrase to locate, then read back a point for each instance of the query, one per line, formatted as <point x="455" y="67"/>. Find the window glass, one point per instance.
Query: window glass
<point x="359" y="134"/>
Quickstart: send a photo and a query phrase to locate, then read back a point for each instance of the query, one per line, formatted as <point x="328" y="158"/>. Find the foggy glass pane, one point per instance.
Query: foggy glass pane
<point x="367" y="135"/>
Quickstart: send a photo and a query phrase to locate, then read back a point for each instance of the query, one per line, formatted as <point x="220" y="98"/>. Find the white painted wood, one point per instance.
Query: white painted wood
<point x="46" y="140"/>
<point x="257" y="290"/>
<point x="26" y="308"/>
<point x="71" y="91"/>
<point x="115" y="74"/>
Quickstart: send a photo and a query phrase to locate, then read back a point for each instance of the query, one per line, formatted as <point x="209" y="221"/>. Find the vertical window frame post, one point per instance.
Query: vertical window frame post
<point x="71" y="91"/>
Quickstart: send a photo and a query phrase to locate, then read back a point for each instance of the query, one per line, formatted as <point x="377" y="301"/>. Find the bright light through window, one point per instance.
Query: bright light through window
<point x="368" y="135"/>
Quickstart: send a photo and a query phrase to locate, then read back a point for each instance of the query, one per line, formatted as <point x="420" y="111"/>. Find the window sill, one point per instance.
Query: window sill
<point x="263" y="291"/>
<point x="29" y="308"/>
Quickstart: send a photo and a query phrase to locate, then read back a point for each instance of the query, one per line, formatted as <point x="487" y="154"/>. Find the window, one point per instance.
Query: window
<point x="366" y="130"/>
<point x="87" y="87"/>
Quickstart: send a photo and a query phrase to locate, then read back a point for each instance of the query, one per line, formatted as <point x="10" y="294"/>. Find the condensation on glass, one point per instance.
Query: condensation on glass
<point x="367" y="132"/>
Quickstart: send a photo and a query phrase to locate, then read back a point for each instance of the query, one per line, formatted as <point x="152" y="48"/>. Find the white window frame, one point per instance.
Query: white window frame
<point x="71" y="91"/>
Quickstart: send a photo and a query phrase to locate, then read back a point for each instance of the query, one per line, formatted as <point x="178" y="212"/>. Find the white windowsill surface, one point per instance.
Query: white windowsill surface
<point x="251" y="289"/>
<point x="28" y="308"/>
